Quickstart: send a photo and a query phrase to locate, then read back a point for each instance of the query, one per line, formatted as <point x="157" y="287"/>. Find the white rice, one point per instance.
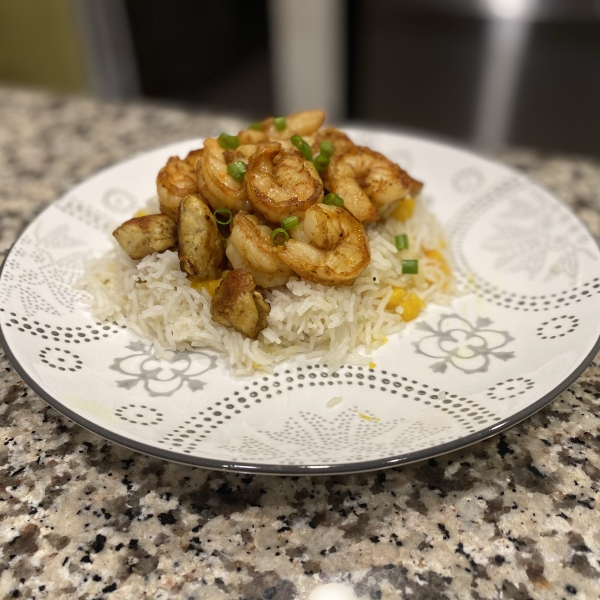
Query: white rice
<point x="154" y="299"/>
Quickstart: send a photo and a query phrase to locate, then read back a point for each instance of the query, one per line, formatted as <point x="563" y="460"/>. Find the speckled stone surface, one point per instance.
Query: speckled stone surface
<point x="514" y="517"/>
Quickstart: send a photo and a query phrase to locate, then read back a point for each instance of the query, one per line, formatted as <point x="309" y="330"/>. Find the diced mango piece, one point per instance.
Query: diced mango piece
<point x="372" y="365"/>
<point x="404" y="210"/>
<point x="436" y="255"/>
<point x="411" y="304"/>
<point x="210" y="286"/>
<point x="397" y="297"/>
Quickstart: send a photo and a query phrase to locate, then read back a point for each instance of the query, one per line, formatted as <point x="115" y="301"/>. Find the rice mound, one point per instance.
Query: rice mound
<point x="154" y="299"/>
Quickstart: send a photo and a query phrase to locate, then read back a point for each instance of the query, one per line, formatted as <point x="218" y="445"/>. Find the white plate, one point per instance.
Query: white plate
<point x="458" y="374"/>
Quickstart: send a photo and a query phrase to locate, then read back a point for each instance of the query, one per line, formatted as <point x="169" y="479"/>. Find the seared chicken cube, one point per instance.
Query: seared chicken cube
<point x="141" y="236"/>
<point x="238" y="304"/>
<point x="201" y="249"/>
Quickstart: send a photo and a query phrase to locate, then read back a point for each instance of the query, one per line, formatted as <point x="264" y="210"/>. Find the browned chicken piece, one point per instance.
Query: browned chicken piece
<point x="238" y="304"/>
<point x="141" y="236"/>
<point x="201" y="248"/>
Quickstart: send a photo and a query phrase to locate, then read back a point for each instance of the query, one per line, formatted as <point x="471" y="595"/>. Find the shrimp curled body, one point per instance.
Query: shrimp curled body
<point x="250" y="247"/>
<point x="282" y="183"/>
<point x="329" y="247"/>
<point x="369" y="183"/>
<point x="175" y="181"/>
<point x="219" y="188"/>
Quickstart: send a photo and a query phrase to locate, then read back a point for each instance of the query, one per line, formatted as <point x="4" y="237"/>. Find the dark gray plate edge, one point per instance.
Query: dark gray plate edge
<point x="330" y="469"/>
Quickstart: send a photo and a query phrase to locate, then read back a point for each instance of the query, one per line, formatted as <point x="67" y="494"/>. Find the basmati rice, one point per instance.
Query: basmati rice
<point x="155" y="300"/>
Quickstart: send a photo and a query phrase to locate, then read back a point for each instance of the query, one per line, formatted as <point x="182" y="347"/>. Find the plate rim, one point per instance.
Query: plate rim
<point x="293" y="470"/>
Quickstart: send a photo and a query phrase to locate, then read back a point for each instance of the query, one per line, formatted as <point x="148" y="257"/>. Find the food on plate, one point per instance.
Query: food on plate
<point x="282" y="183"/>
<point x="200" y="246"/>
<point x="175" y="181"/>
<point x="141" y="236"/>
<point x="238" y="304"/>
<point x="329" y="246"/>
<point x="285" y="239"/>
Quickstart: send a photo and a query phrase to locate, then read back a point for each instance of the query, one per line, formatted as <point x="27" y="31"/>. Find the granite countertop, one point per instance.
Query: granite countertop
<point x="513" y="517"/>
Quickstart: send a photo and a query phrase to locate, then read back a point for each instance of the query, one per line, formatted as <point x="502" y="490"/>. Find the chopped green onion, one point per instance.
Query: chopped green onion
<point x="256" y="126"/>
<point x="229" y="142"/>
<point x="321" y="162"/>
<point x="302" y="146"/>
<point x="225" y="219"/>
<point x="279" y="236"/>
<point x="410" y="267"/>
<point x="326" y="148"/>
<point x="237" y="169"/>
<point x="401" y="241"/>
<point x="333" y="199"/>
<point x="279" y="123"/>
<point x="138" y="280"/>
<point x="289" y="223"/>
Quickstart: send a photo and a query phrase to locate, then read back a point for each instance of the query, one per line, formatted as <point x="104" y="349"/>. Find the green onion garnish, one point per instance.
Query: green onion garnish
<point x="256" y="126"/>
<point x="279" y="236"/>
<point x="279" y="123"/>
<point x="410" y="267"/>
<point x="321" y="162"/>
<point x="401" y="241"/>
<point x="237" y="169"/>
<point x="289" y="223"/>
<point x="139" y="280"/>
<point x="302" y="146"/>
<point x="225" y="219"/>
<point x="326" y="148"/>
<point x="229" y="142"/>
<point x="333" y="199"/>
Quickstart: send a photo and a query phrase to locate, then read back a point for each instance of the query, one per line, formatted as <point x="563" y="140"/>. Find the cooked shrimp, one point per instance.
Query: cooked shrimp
<point x="330" y="246"/>
<point x="176" y="180"/>
<point x="303" y="123"/>
<point x="340" y="141"/>
<point x="200" y="245"/>
<point x="141" y="236"/>
<point x="214" y="181"/>
<point x="369" y="183"/>
<point x="250" y="247"/>
<point x="282" y="183"/>
<point x="238" y="304"/>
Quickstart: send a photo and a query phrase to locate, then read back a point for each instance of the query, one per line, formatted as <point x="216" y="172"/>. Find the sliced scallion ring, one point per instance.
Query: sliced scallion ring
<point x="289" y="223"/>
<point x="333" y="199"/>
<point x="326" y="148"/>
<point x="321" y="162"/>
<point x="223" y="216"/>
<point x="279" y="236"/>
<point x="410" y="267"/>
<point x="401" y="241"/>
<point x="237" y="169"/>
<point x="279" y="123"/>
<point x="302" y="146"/>
<point x="229" y="142"/>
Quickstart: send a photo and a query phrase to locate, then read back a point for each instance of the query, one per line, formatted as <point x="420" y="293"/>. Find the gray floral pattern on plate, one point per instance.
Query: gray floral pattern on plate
<point x="463" y="345"/>
<point x="531" y="238"/>
<point x="161" y="377"/>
